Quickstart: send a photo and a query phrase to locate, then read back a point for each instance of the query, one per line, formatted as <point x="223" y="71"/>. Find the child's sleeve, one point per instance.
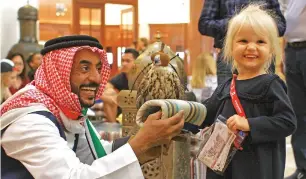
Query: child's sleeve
<point x="211" y="105"/>
<point x="281" y="123"/>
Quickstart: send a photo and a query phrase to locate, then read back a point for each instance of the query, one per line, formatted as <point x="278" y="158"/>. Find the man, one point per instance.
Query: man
<point x="214" y="19"/>
<point x="295" y="63"/>
<point x="34" y="61"/>
<point x="118" y="83"/>
<point x="73" y="74"/>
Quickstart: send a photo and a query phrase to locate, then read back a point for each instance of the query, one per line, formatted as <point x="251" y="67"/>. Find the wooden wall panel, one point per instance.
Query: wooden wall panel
<point x="92" y="30"/>
<point x="47" y="10"/>
<point x="197" y="43"/>
<point x="51" y="30"/>
<point x="112" y="35"/>
<point x="50" y="25"/>
<point x="174" y="35"/>
<point x="113" y="41"/>
<point x="48" y="31"/>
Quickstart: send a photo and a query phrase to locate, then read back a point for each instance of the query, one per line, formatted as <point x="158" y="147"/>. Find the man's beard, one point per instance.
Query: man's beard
<point x="82" y="102"/>
<point x="86" y="105"/>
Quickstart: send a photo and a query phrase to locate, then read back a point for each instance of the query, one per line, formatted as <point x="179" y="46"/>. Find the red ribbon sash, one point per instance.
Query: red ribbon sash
<point x="239" y="109"/>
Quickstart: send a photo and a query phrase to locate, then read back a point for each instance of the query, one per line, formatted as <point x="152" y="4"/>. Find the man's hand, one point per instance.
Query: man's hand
<point x="110" y="104"/>
<point x="238" y="123"/>
<point x="110" y="94"/>
<point x="156" y="132"/>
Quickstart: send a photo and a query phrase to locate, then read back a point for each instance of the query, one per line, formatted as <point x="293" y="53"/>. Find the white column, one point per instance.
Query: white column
<point x="9" y="24"/>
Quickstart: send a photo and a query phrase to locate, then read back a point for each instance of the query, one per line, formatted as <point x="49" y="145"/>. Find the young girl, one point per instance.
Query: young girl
<point x="204" y="77"/>
<point x="22" y="79"/>
<point x="8" y="77"/>
<point x="251" y="43"/>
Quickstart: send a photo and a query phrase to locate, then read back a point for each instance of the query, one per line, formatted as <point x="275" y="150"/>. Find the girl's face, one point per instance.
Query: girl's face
<point x="251" y="51"/>
<point x="9" y="78"/>
<point x="19" y="65"/>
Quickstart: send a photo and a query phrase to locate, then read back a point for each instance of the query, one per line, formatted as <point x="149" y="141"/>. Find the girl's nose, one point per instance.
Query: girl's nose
<point x="251" y="46"/>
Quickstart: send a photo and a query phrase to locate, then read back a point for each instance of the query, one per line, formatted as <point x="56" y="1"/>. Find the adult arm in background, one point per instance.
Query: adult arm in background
<point x="273" y="5"/>
<point x="110" y="104"/>
<point x="292" y="11"/>
<point x="210" y="23"/>
<point x="109" y="97"/>
<point x="35" y="141"/>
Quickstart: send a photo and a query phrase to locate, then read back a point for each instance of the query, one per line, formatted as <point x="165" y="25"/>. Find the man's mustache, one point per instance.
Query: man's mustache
<point x="91" y="85"/>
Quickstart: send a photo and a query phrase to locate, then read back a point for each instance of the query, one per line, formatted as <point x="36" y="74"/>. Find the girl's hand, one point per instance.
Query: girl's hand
<point x="237" y="123"/>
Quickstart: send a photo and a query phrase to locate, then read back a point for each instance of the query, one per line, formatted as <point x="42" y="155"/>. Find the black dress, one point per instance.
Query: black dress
<point x="271" y="119"/>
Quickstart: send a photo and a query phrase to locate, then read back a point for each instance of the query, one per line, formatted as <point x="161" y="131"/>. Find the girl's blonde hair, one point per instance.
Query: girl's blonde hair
<point x="204" y="65"/>
<point x="263" y="24"/>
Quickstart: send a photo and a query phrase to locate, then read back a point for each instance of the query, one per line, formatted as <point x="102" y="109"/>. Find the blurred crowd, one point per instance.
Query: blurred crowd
<point x="17" y="72"/>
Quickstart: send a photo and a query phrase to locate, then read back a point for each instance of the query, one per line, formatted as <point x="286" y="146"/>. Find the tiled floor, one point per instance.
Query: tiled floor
<point x="290" y="163"/>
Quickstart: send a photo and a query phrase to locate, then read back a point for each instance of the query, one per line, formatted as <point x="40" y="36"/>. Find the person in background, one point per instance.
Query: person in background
<point x="22" y="79"/>
<point x="34" y="61"/>
<point x="204" y="77"/>
<point x="142" y="45"/>
<point x="295" y="63"/>
<point x="8" y="78"/>
<point x="116" y="84"/>
<point x="133" y="45"/>
<point x="214" y="20"/>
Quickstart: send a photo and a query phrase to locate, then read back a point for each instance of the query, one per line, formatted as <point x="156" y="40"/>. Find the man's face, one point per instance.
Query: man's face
<point x="85" y="77"/>
<point x="36" y="61"/>
<point x="127" y="62"/>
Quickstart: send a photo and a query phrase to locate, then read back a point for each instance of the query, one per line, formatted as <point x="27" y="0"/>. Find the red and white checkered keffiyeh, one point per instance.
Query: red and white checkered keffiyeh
<point x="52" y="82"/>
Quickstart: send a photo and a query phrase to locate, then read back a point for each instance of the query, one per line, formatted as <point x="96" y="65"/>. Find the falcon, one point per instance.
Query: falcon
<point x="161" y="81"/>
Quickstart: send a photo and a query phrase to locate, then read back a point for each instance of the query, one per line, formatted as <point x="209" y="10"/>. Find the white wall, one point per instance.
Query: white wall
<point x="113" y="13"/>
<point x="152" y="12"/>
<point x="164" y="11"/>
<point x="0" y="29"/>
<point x="9" y="25"/>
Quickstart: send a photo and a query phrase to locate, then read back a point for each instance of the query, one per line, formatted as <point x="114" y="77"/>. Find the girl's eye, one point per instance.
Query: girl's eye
<point x="261" y="41"/>
<point x="243" y="41"/>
